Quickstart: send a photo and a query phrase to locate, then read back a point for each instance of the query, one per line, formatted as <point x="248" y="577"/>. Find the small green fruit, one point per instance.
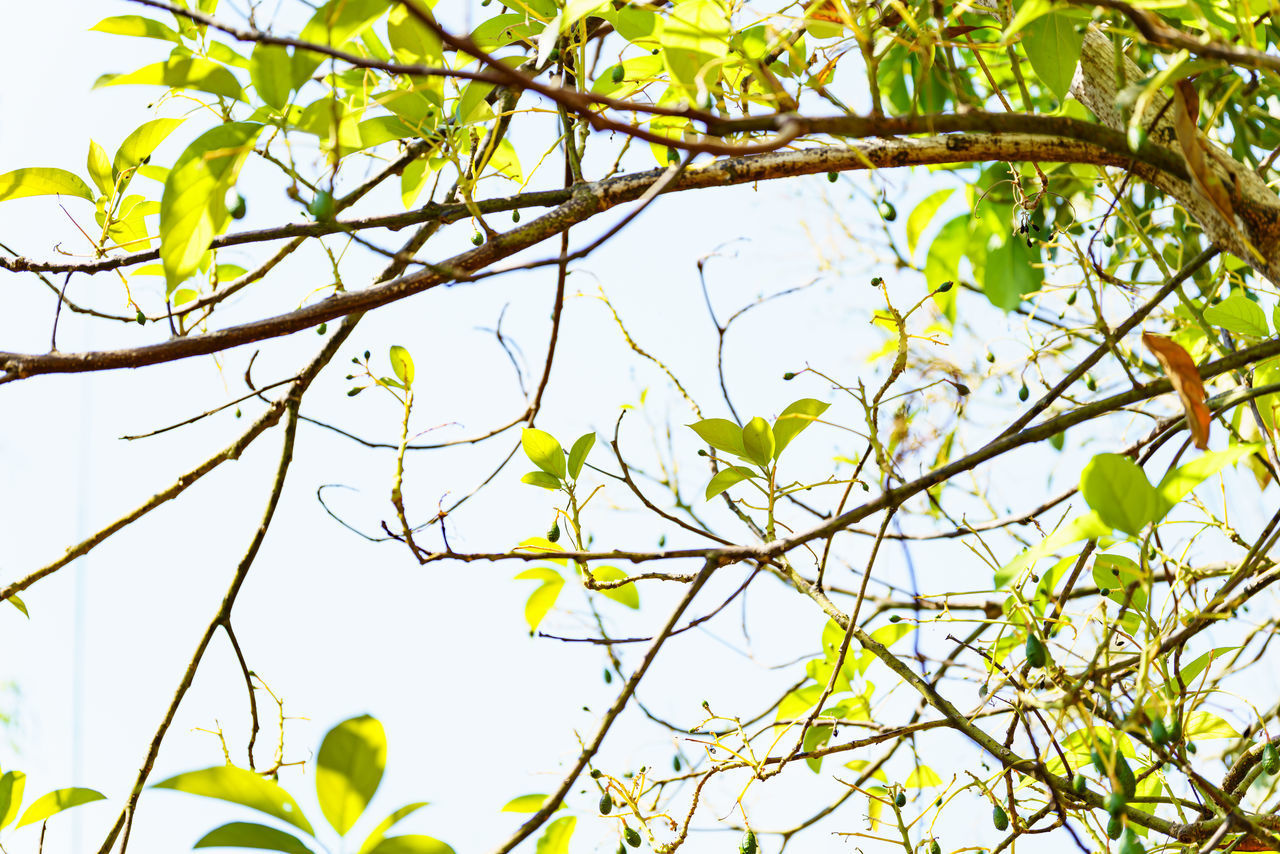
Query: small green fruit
<point x="934" y="847"/>
<point x="877" y="282"/>
<point x="1071" y="297"/>
<point x="789" y="375"/>
<point x="901" y="800"/>
<point x="596" y="774"/>
<point x="1090" y="383"/>
<point x="1037" y="655"/>
<point x="888" y="212"/>
<point x="1024" y="392"/>
<point x="477" y="239"/>
<point x="991" y="357"/>
<point x="833" y="177"/>
<point x="675" y="763"/>
<point x="631" y="836"/>
<point x="1270" y="759"/>
<point x="618" y="74"/>
<point x="999" y="818"/>
<point x="553" y="533"/>
<point x="1115" y="803"/>
<point x="1124" y="776"/>
<point x="515" y="216"/>
<point x="142" y="318"/>
<point x="322" y="329"/>
<point x="1115" y="827"/>
<point x="1191" y="747"/>
<point x="1079" y="784"/>
<point x="606" y="804"/>
<point x="945" y="286"/>
<point x="748" y="845"/>
<point x="895" y="619"/>
<point x="1131" y="844"/>
<point x="238" y="208"/>
<point x="322" y="206"/>
<point x="608" y="676"/>
<point x="1159" y="732"/>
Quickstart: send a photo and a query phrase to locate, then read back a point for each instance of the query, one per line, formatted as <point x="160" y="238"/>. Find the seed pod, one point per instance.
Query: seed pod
<point x="142" y="318"/>
<point x="1270" y="759"/>
<point x="1159" y="732"/>
<point x="631" y="836"/>
<point x="618" y="74"/>
<point x="1115" y="826"/>
<point x="999" y="818"/>
<point x="748" y="845"/>
<point x="1115" y="803"/>
<point x="1037" y="655"/>
<point x="1079" y="784"/>
<point x="901" y="800"/>
<point x="606" y="804"/>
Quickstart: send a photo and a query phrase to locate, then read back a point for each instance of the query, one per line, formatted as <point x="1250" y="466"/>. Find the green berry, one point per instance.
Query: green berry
<point x="608" y="676"/>
<point x="1024" y="392"/>
<point x="833" y="177"/>
<point x="1115" y="826"/>
<point x="901" y="800"/>
<point x="631" y="836"/>
<point x="1270" y="759"/>
<point x="322" y="206"/>
<point x="877" y="282"/>
<point x="675" y="763"/>
<point x="934" y="847"/>
<point x="477" y="239"/>
<point x="1079" y="784"/>
<point x="999" y="818"/>
<point x="596" y="774"/>
<point x="1071" y="297"/>
<point x="618" y="74"/>
<point x="1159" y="732"/>
<point x="1090" y="383"/>
<point x="238" y="208"/>
<point x="748" y="845"/>
<point x="888" y="212"/>
<point x="945" y="286"/>
<point x="672" y="156"/>
<point x="515" y="216"/>
<point x="553" y="533"/>
<point x="322" y="329"/>
<point x="895" y="619"/>
<point x="991" y="357"/>
<point x="1037" y="655"/>
<point x="1191" y="747"/>
<point x="142" y="318"/>
<point x="1115" y="803"/>
<point x="606" y="804"/>
<point x="789" y="375"/>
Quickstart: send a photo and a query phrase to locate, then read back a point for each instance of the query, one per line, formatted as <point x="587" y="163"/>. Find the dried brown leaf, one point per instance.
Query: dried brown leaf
<point x="1186" y="113"/>
<point x="1185" y="377"/>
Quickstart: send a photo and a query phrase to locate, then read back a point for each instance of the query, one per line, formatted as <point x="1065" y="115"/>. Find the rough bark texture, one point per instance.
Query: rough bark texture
<point x="1257" y="208"/>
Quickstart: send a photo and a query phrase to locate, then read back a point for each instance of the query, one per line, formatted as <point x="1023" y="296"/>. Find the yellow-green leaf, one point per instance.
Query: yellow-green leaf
<point x="42" y="181"/>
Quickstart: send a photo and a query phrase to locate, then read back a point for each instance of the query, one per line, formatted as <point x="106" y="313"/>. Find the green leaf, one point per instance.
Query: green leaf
<point x="815" y="738"/>
<point x="922" y="777"/>
<point x="193" y="208"/>
<point x="246" y="834"/>
<point x="240" y="786"/>
<point x="920" y="218"/>
<point x="1087" y="527"/>
<point x="555" y="839"/>
<point x="349" y="768"/>
<point x="793" y="419"/>
<point x="694" y="35"/>
<point x="1237" y="313"/>
<point x="942" y="263"/>
<point x="721" y="434"/>
<point x="1118" y="491"/>
<point x="371" y="841"/>
<point x="541" y="478"/>
<point x="542" y="600"/>
<point x="20" y="605"/>
<point x="1207" y="725"/>
<point x="57" y="801"/>
<point x="1027" y="11"/>
<point x="136" y="25"/>
<point x="100" y="168"/>
<point x="138" y="145"/>
<point x="415" y="844"/>
<point x="1117" y="573"/>
<point x="758" y="441"/>
<point x="525" y="803"/>
<point x="11" y="786"/>
<point x="578" y="453"/>
<point x="544" y="451"/>
<point x="1179" y="482"/>
<point x="545" y="547"/>
<point x="180" y="71"/>
<point x="626" y="594"/>
<point x="338" y="21"/>
<point x="271" y="72"/>
<point x="42" y="181"/>
<point x="412" y="42"/>
<point x="726" y="478"/>
<point x="402" y="364"/>
<point x="1053" y="46"/>
<point x="1008" y="274"/>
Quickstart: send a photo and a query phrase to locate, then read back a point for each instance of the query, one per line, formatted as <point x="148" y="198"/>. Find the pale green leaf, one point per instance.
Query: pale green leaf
<point x="100" y="168"/>
<point x="793" y="419"/>
<point x="920" y="218"/>
<point x="349" y="769"/>
<point x="578" y="453"/>
<point x="379" y="833"/>
<point x="12" y="784"/>
<point x="721" y="434"/>
<point x="1178" y="483"/>
<point x="542" y="600"/>
<point x="412" y="42"/>
<point x="1117" y="489"/>
<point x="240" y="786"/>
<point x="136" y="25"/>
<point x="338" y="21"/>
<point x="271" y="72"/>
<point x="626" y="594"/>
<point x="1053" y="46"/>
<point x="57" y="801"/>
<point x="726" y="478"/>
<point x="525" y="803"/>
<point x="1207" y="725"/>
<point x="555" y="839"/>
<point x="180" y="72"/>
<point x="402" y="365"/>
<point x="758" y="441"/>
<point x="922" y="777"/>
<point x="1237" y="313"/>
<point x="1087" y="527"/>
<point x="542" y="479"/>
<point x="413" y="844"/>
<point x="1008" y="274"/>
<point x="247" y="834"/>
<point x="138" y="145"/>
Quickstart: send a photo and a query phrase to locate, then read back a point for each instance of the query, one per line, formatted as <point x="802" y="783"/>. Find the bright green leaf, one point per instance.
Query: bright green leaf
<point x="41" y="181"/>
<point x="942" y="262"/>
<point x="240" y="786"/>
<point x="402" y="364"/>
<point x="544" y="451"/>
<point x="793" y="419"/>
<point x="338" y="21"/>
<point x="525" y="803"/>
<point x="721" y="434"/>
<point x="20" y="605"/>
<point x="180" y="72"/>
<point x="542" y="600"/>
<point x="411" y="40"/>
<point x="413" y="844"/>
<point x="1008" y="274"/>
<point x="758" y="441"/>
<point x="1118" y="491"/>
<point x="379" y="833"/>
<point x="138" y="145"/>
<point x="1207" y="725"/>
<point x="271" y="72"/>
<point x="246" y="834"/>
<point x="1117" y="574"/>
<point x="136" y="25"/>
<point x="922" y="777"/>
<point x="100" y="168"/>
<point x="626" y="594"/>
<point x="578" y="453"/>
<point x="920" y="218"/>
<point x="555" y="839"/>
<point x="1237" y="313"/>
<point x="12" y="784"/>
<point x="57" y="801"/>
<point x="1179" y="482"/>
<point x="349" y="768"/>
<point x="542" y="479"/>
<point x="1053" y="46"/>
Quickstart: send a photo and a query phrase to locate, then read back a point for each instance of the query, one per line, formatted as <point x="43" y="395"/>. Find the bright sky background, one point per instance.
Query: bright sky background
<point x="474" y="709"/>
